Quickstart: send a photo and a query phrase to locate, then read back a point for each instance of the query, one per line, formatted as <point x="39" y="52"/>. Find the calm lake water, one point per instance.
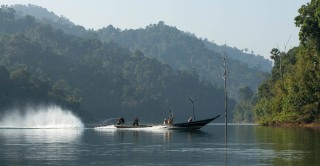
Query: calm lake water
<point x="247" y="145"/>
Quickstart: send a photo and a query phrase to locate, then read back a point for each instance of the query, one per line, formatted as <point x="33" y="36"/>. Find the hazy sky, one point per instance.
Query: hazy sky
<point x="258" y="25"/>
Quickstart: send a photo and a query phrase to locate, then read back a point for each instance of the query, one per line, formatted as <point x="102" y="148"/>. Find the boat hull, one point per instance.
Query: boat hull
<point x="194" y="125"/>
<point x="131" y="127"/>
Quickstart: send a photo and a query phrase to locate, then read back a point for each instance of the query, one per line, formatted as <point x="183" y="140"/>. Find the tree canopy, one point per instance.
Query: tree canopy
<point x="308" y="21"/>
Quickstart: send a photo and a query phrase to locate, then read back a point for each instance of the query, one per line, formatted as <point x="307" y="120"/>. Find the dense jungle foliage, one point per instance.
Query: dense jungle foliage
<point x="97" y="80"/>
<point x="292" y="93"/>
<point x="181" y="50"/>
<point x="184" y="51"/>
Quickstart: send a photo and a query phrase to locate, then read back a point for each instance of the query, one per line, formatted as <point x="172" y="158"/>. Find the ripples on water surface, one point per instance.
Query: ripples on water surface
<point x="247" y="145"/>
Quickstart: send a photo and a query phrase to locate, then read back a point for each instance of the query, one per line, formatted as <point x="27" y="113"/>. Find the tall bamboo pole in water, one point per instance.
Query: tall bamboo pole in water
<point x="224" y="76"/>
<point x="192" y="101"/>
<point x="225" y="98"/>
<point x="225" y="108"/>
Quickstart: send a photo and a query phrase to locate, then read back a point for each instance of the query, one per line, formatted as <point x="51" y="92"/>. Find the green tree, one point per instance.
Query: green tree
<point x="308" y="20"/>
<point x="4" y="85"/>
<point x="243" y="109"/>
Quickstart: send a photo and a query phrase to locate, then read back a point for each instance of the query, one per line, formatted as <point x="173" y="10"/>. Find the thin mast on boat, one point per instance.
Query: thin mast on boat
<point x="192" y="101"/>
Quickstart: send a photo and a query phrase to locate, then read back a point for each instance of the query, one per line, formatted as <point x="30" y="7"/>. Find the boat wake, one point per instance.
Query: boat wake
<point x="105" y="127"/>
<point x="113" y="128"/>
<point x="40" y="117"/>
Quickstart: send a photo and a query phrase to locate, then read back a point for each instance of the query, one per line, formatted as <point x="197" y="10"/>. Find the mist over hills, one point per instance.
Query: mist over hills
<point x="47" y="17"/>
<point x="184" y="51"/>
<point x="112" y="72"/>
<point x="181" y="50"/>
<point x="257" y="62"/>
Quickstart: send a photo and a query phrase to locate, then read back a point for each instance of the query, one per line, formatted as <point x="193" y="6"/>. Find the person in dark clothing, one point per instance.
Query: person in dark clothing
<point x="121" y="121"/>
<point x="136" y="122"/>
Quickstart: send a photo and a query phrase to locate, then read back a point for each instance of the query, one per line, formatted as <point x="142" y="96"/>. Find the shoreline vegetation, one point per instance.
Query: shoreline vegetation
<point x="291" y="95"/>
<point x="292" y="124"/>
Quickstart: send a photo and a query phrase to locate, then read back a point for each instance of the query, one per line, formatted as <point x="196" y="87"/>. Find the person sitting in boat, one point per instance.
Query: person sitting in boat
<point x="190" y="119"/>
<point x="121" y="121"/>
<point x="165" y="122"/>
<point x="135" y="122"/>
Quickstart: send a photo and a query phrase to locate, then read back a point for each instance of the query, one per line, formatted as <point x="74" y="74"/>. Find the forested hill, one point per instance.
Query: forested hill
<point x="60" y="22"/>
<point x="46" y="17"/>
<point x="181" y="50"/>
<point x="98" y="80"/>
<point x="185" y="51"/>
<point x="257" y="62"/>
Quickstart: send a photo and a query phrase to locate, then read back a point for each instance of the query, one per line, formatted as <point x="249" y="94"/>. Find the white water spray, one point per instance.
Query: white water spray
<point x="43" y="117"/>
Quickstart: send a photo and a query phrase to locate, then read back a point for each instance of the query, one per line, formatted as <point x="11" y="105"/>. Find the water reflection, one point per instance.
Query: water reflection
<point x="41" y="135"/>
<point x="52" y="145"/>
<point x="258" y="145"/>
<point x="156" y="147"/>
<point x="291" y="146"/>
<point x="133" y="133"/>
<point x="153" y="132"/>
